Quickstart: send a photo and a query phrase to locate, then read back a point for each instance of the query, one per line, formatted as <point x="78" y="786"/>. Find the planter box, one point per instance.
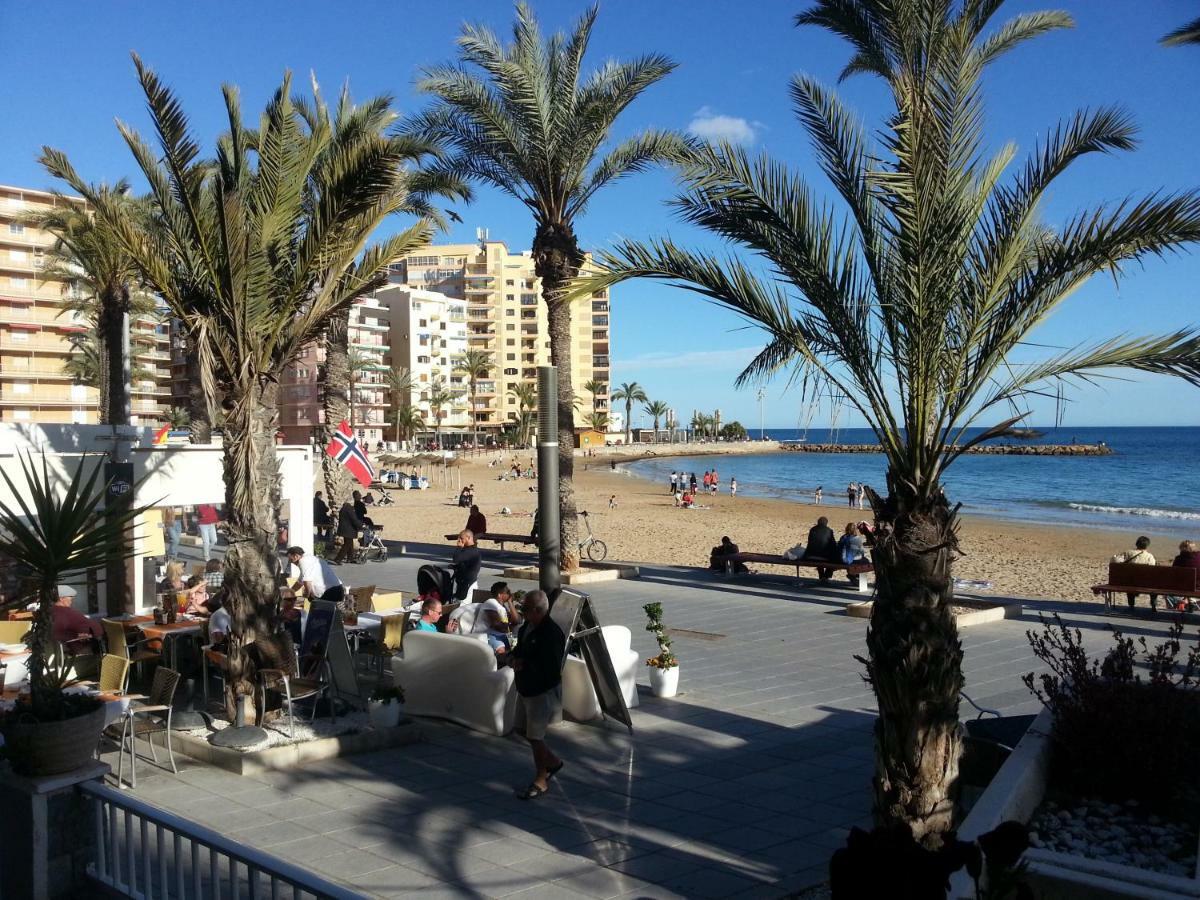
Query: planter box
<point x="1016" y="793"/>
<point x="976" y="611"/>
<point x="291" y="755"/>
<point x="588" y="573"/>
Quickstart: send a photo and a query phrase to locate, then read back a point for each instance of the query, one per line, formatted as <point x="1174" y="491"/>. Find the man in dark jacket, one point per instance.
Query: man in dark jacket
<point x="466" y="562"/>
<point x="538" y="661"/>
<point x="348" y="527"/>
<point x="822" y="544"/>
<point x="321" y="516"/>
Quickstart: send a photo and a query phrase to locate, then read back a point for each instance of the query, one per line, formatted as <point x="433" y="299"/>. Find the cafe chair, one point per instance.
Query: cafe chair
<point x="387" y="644"/>
<point x="114" y="675"/>
<point x="13" y="632"/>
<point x="149" y="718"/>
<point x="136" y="651"/>
<point x="363" y="598"/>
<point x="290" y="687"/>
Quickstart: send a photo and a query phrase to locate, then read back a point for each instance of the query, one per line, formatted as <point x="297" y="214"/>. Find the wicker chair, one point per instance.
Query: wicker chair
<point x="13" y="632"/>
<point x="148" y="718"/>
<point x="137" y="651"/>
<point x="114" y="675"/>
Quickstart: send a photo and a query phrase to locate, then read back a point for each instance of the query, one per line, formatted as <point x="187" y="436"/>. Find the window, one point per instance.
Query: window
<point x="422" y="260"/>
<point x="510" y="327"/>
<point x="424" y="360"/>
<point x="510" y="371"/>
<point x="510" y="356"/>
<point x="17" y="255"/>
<point x="508" y="282"/>
<point x="18" y="228"/>
<point x="511" y="298"/>
<point x="22" y="415"/>
<point x="20" y="387"/>
<point x="21" y="283"/>
<point x="510" y="312"/>
<point x="19" y="337"/>
<point x="423" y="323"/>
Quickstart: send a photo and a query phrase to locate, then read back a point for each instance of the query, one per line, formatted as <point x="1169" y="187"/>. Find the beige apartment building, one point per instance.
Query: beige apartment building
<point x="37" y="336"/>
<point x="507" y="318"/>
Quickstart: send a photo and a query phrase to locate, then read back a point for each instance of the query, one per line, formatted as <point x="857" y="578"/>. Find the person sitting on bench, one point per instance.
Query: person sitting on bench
<point x="716" y="557"/>
<point x="822" y="545"/>
<point x="1141" y="556"/>
<point x="476" y="522"/>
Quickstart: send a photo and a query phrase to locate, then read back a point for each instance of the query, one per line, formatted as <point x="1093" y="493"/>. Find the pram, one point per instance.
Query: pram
<point x="432" y="578"/>
<point x="371" y="546"/>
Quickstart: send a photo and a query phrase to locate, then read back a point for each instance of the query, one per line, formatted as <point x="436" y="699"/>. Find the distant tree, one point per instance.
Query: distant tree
<point x="409" y="420"/>
<point x="631" y="392"/>
<point x="475" y="364"/>
<point x="656" y="409"/>
<point x="525" y="393"/>
<point x="440" y="397"/>
<point x="598" y="421"/>
<point x="733" y="431"/>
<point x="178" y="418"/>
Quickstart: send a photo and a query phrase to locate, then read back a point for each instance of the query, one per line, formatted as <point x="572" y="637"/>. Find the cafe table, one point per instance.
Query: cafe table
<point x="168" y="632"/>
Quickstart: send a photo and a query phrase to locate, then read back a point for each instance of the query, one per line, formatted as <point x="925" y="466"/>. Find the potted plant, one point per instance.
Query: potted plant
<point x="664" y="668"/>
<point x="385" y="706"/>
<point x="61" y="530"/>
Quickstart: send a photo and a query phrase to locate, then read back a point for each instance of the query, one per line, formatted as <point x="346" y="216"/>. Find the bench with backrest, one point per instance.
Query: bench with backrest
<point x="497" y="538"/>
<point x="773" y="559"/>
<point x="1136" y="578"/>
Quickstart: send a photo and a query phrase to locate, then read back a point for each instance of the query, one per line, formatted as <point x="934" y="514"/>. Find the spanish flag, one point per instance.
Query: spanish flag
<point x="160" y="436"/>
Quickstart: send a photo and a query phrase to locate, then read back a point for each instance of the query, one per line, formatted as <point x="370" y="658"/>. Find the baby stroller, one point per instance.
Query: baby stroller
<point x="432" y="578"/>
<point x="371" y="546"/>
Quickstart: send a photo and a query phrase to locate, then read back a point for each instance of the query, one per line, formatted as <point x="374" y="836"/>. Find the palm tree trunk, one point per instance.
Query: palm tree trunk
<point x="474" y="420"/>
<point x="252" y="499"/>
<point x="557" y="259"/>
<point x="199" y="421"/>
<point x="628" y="422"/>
<point x="915" y="664"/>
<point x="338" y="405"/>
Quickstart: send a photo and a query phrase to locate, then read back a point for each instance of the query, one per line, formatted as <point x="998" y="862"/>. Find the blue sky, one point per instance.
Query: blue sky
<point x="68" y="67"/>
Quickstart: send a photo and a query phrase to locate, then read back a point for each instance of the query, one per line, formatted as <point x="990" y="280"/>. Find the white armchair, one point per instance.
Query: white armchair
<point x="579" y="697"/>
<point x="450" y="676"/>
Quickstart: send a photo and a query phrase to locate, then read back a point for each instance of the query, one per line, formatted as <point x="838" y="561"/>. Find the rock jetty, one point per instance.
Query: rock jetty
<point x="984" y="449"/>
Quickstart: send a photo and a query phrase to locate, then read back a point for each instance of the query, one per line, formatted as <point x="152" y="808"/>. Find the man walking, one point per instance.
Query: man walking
<point x="538" y="661"/>
<point x="207" y="519"/>
<point x="348" y="527"/>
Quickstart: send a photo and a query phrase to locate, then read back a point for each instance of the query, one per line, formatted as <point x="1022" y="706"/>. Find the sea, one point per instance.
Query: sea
<point x="1150" y="482"/>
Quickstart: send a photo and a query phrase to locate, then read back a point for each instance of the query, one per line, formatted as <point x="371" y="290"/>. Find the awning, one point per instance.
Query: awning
<point x="25" y="326"/>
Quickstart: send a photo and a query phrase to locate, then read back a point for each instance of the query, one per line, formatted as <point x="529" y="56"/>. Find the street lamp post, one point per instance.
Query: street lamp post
<point x="761" y="430"/>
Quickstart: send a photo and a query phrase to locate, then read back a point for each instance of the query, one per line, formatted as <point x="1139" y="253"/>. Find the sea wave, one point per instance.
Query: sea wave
<point x="1147" y="511"/>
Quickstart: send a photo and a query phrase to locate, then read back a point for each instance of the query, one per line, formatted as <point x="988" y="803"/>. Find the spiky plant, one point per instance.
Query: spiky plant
<point x="630" y="392"/>
<point x="254" y="253"/>
<point x="518" y="116"/>
<point x="59" y="531"/>
<point x="912" y="306"/>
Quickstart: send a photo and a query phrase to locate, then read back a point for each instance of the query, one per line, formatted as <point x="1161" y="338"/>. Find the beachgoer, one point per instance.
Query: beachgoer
<point x="850" y="546"/>
<point x="207" y="519"/>
<point x="476" y="521"/>
<point x="733" y="486"/>
<point x="538" y="661"/>
<point x="214" y="574"/>
<point x="862" y="495"/>
<point x="1142" y="556"/>
<point x="693" y="482"/>
<point x="321" y="520"/>
<point x="822" y="545"/>
<point x="348" y="526"/>
<point x="817" y="497"/>
<point x="851" y="494"/>
<point x="196" y="603"/>
<point x="1188" y="555"/>
<point x="172" y="530"/>
<point x="492" y="619"/>
<point x="70" y="626"/>
<point x="716" y="557"/>
<point x="172" y="578"/>
<point x="688" y="500"/>
<point x="360" y="509"/>
<point x="674" y="478"/>
<point x="612" y="501"/>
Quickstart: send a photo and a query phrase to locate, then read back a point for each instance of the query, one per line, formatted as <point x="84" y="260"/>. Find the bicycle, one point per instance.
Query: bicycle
<point x="595" y="548"/>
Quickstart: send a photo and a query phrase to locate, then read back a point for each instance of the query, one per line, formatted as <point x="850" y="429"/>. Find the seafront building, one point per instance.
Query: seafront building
<point x="38" y="335"/>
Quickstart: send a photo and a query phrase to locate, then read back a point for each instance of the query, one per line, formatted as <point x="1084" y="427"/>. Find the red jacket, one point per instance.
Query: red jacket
<point x="206" y="514"/>
<point x="71" y="623"/>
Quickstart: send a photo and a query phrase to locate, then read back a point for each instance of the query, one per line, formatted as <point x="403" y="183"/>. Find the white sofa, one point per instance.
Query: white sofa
<point x="450" y="676"/>
<point x="579" y="697"/>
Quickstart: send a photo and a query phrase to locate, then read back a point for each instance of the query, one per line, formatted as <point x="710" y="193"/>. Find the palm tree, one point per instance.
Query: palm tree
<point x="525" y="393"/>
<point x="440" y="397"/>
<point x="656" y="409"/>
<point x="595" y="388"/>
<point x="400" y="385"/>
<point x="254" y="253"/>
<point x="631" y="392"/>
<point x="87" y="363"/>
<point x="598" y="421"/>
<point x="1186" y="34"/>
<point x="912" y="307"/>
<point x="408" y="420"/>
<point x="178" y="418"/>
<point x="518" y="117"/>
<point x="475" y="364"/>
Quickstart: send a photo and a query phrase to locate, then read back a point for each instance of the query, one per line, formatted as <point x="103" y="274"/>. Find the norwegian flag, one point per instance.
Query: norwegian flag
<point x="345" y="449"/>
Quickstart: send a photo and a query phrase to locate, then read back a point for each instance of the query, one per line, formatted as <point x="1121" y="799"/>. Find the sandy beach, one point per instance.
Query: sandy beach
<point x="1023" y="560"/>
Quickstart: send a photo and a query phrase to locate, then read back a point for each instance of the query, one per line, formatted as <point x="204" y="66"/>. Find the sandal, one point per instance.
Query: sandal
<point x="550" y="773"/>
<point x="531" y="793"/>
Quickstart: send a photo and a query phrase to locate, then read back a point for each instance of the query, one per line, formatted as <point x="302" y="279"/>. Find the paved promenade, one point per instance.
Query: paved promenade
<point x="741" y="786"/>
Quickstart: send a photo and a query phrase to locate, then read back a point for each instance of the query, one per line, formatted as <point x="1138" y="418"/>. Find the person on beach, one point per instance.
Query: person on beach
<point x="674" y="478"/>
<point x="1141" y="556"/>
<point x="817" y="496"/>
<point x="476" y="522"/>
<point x="693" y="483"/>
<point x="706" y="480"/>
<point x="822" y="545"/>
<point x="862" y="495"/>
<point x="1188" y="556"/>
<point x="717" y="561"/>
<point x="733" y="487"/>
<point x="537" y="661"/>
<point x="851" y="494"/>
<point x="716" y="480"/>
<point x="612" y="501"/>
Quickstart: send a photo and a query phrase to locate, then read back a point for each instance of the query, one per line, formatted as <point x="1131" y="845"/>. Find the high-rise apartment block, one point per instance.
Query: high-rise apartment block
<point x="38" y="335"/>
<point x="507" y="319"/>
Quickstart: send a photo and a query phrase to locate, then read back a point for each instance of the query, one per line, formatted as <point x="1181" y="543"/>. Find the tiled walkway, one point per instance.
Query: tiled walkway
<point x="741" y="786"/>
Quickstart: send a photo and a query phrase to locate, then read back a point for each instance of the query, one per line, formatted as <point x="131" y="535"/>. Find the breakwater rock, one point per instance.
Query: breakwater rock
<point x="983" y="449"/>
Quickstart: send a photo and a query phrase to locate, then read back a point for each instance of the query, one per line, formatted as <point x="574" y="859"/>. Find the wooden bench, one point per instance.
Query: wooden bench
<point x="497" y="538"/>
<point x="1135" y="578"/>
<point x="772" y="559"/>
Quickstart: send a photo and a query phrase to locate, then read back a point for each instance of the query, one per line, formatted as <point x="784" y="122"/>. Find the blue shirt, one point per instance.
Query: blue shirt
<point x="425" y="626"/>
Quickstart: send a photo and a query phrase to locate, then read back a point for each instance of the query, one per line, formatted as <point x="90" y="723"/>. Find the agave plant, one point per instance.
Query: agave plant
<point x="60" y="530"/>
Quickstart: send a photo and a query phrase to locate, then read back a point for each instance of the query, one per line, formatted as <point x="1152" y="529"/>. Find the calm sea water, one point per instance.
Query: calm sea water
<point x="1151" y="482"/>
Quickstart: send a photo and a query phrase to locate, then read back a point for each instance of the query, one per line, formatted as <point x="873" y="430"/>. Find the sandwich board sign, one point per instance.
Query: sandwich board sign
<point x="325" y="639"/>
<point x="573" y="613"/>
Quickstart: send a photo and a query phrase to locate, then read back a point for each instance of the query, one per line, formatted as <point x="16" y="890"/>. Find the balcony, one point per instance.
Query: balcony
<point x="38" y="345"/>
<point x="41" y="373"/>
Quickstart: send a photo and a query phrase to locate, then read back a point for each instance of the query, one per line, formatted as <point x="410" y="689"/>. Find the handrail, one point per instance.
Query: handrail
<point x="147" y="872"/>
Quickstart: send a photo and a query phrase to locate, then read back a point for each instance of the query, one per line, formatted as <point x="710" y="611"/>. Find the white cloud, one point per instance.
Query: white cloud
<point x="712" y="126"/>
<point x="733" y="358"/>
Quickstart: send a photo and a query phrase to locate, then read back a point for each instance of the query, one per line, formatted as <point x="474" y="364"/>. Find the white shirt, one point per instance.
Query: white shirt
<point x="219" y="622"/>
<point x="318" y="573"/>
<point x="480" y="625"/>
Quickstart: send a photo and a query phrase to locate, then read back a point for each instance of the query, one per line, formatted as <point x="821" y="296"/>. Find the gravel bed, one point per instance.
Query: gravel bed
<point x="1116" y="833"/>
<point x="277" y="731"/>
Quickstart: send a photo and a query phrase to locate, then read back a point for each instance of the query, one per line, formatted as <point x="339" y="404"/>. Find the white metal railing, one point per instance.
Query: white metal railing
<point x="145" y="852"/>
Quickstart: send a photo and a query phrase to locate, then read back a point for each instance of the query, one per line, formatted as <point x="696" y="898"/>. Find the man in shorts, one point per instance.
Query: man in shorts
<point x="538" y="661"/>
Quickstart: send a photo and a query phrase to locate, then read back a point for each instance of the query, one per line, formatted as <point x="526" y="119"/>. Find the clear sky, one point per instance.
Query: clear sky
<point x="67" y="74"/>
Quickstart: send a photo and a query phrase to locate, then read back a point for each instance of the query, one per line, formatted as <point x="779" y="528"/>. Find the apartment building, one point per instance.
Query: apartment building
<point x="38" y="337"/>
<point x="301" y="406"/>
<point x="507" y="318"/>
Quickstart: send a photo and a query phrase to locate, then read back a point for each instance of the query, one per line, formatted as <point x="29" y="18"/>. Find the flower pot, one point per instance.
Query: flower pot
<point x="53" y="748"/>
<point x="384" y="713"/>
<point x="664" y="682"/>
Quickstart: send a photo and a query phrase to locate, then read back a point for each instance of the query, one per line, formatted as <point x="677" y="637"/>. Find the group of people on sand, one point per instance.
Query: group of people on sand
<point x="684" y="487"/>
<point x="1188" y="557"/>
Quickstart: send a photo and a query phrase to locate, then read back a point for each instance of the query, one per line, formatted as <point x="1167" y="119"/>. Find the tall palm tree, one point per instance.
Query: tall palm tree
<point x="595" y="388"/>
<point x="408" y="420"/>
<point x="598" y="421"/>
<point x="525" y="393"/>
<point x="254" y="253"/>
<point x="518" y="117"/>
<point x="912" y="307"/>
<point x="631" y="392"/>
<point x="475" y="364"/>
<point x="440" y="397"/>
<point x="88" y="360"/>
<point x="656" y="409"/>
<point x="400" y="385"/>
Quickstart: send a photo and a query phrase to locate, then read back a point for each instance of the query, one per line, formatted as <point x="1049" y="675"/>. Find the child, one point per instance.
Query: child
<point x="612" y="501"/>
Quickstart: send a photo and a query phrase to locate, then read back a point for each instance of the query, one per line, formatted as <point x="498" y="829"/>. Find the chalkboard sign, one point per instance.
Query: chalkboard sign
<point x="325" y="639"/>
<point x="573" y="613"/>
